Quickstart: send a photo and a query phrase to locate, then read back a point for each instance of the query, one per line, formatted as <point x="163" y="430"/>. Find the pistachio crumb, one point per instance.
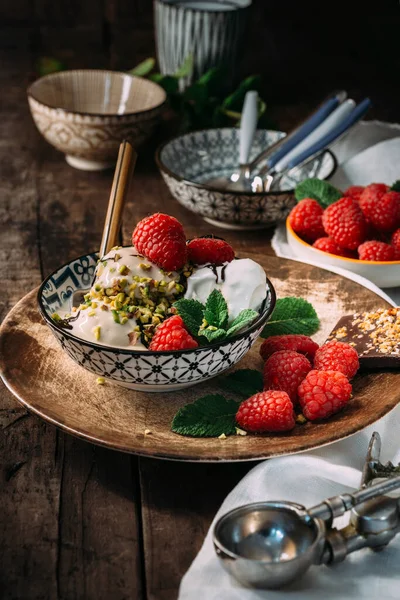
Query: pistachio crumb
<point x="300" y="419"/>
<point x="240" y="431"/>
<point x="96" y="331"/>
<point x="145" y="266"/>
<point x="100" y="381"/>
<point x="56" y="317"/>
<point x="123" y="269"/>
<point x="222" y="436"/>
<point x="92" y="313"/>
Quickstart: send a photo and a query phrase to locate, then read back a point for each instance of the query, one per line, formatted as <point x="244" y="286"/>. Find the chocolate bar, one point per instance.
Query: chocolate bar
<point x="375" y="336"/>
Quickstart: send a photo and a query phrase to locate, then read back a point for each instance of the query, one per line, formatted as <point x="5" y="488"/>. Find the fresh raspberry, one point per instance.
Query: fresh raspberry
<point x="354" y="191"/>
<point x="306" y="219"/>
<point x="323" y="393"/>
<point x="266" y="411"/>
<point x="298" y="343"/>
<point x="395" y="241"/>
<point x="327" y="244"/>
<point x="285" y="370"/>
<point x="209" y="250"/>
<point x="376" y="251"/>
<point x="381" y="208"/>
<point x="161" y="239"/>
<point x="172" y="335"/>
<point x="345" y="224"/>
<point x="337" y="356"/>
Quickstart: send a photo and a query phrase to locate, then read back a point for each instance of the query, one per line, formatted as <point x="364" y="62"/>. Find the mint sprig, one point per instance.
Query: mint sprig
<point x="210" y="322"/>
<point x="216" y="311"/>
<point x="321" y="191"/>
<point x="244" y="382"/>
<point x="292" y="315"/>
<point x="244" y="318"/>
<point x="209" y="416"/>
<point x="192" y="313"/>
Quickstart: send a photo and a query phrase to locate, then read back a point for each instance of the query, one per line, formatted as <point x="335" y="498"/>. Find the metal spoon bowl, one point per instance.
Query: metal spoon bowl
<point x="268" y="544"/>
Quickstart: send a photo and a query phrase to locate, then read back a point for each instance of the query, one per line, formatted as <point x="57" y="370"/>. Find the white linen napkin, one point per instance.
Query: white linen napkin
<point x="309" y="478"/>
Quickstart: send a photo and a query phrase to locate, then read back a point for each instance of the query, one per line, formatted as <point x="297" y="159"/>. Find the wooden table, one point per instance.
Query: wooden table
<point x="79" y="521"/>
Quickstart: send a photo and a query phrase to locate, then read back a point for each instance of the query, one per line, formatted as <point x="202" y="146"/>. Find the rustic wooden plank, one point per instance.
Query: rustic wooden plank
<point x="179" y="503"/>
<point x="69" y="526"/>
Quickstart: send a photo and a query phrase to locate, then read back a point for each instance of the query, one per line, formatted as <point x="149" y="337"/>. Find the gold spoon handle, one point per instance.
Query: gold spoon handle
<point x="122" y="178"/>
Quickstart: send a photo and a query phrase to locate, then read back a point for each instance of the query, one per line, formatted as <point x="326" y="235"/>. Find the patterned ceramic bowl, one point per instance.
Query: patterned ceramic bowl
<point x="145" y="371"/>
<point x="87" y="113"/>
<point x="188" y="161"/>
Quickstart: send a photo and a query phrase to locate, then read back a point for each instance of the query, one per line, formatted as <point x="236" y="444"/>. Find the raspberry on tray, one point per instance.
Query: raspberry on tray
<point x="270" y="411"/>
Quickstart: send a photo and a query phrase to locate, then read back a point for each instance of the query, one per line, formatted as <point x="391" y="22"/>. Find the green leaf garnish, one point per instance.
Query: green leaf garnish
<point x="213" y="335"/>
<point x="245" y="382"/>
<point x="209" y="416"/>
<point x="321" y="191"/>
<point x="192" y="313"/>
<point x="216" y="312"/>
<point x="396" y="186"/>
<point x="46" y="65"/>
<point x="292" y="315"/>
<point x="144" y="67"/>
<point x="245" y="317"/>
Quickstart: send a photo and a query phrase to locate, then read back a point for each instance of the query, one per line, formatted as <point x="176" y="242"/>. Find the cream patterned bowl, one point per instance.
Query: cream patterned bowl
<point x="139" y="370"/>
<point x="87" y="113"/>
<point x="189" y="161"/>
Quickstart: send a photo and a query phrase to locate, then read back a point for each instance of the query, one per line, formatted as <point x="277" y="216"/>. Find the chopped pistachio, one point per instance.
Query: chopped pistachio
<point x="240" y="431"/>
<point x="100" y="381"/>
<point x="121" y="297"/>
<point x="115" y="316"/>
<point x="112" y="269"/>
<point x="144" y="266"/>
<point x="179" y="288"/>
<point x="87" y="296"/>
<point x="96" y="331"/>
<point x="97" y="287"/>
<point x="104" y="307"/>
<point x="117" y="304"/>
<point x="107" y="300"/>
<point x="187" y="273"/>
<point x="83" y="306"/>
<point x="116" y="247"/>
<point x="123" y="269"/>
<point x="300" y="419"/>
<point x="222" y="436"/>
<point x="117" y="256"/>
<point x="92" y="313"/>
<point x="123" y="320"/>
<point x="109" y="292"/>
<point x="123" y="283"/>
<point x="94" y="305"/>
<point x="56" y="317"/>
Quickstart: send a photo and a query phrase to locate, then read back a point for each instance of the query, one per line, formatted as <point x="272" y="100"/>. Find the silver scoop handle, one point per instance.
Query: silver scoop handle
<point x="338" y="505"/>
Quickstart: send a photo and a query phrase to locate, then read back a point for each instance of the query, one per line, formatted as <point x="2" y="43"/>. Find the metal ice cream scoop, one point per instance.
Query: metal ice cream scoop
<point x="271" y="544"/>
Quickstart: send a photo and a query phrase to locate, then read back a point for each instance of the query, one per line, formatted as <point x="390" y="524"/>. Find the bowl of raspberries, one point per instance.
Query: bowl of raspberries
<point x="358" y="230"/>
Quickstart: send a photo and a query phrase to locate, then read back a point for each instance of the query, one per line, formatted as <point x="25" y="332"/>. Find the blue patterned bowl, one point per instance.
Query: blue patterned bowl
<point x="144" y="371"/>
<point x="186" y="162"/>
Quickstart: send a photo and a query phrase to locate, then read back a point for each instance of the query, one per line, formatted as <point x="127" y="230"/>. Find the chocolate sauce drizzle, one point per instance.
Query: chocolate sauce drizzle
<point x="218" y="277"/>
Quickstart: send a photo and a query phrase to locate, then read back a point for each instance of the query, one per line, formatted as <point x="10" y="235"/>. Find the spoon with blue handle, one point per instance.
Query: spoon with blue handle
<point x="337" y="131"/>
<point x="275" y="153"/>
<point x="248" y="126"/>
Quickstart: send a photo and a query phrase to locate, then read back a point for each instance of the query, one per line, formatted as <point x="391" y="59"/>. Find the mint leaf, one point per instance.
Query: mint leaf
<point x="192" y="313"/>
<point x="213" y="335"/>
<point x="143" y="68"/>
<point x="292" y="315"/>
<point x="322" y="191"/>
<point x="245" y="317"/>
<point x="216" y="312"/>
<point x="186" y="67"/>
<point x="245" y="382"/>
<point x="209" y="416"/>
<point x="396" y="186"/>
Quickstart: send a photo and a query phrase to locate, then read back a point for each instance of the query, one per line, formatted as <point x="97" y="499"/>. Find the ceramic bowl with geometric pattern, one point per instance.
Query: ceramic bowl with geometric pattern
<point x="87" y="113"/>
<point x="139" y="370"/>
<point x="190" y="160"/>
